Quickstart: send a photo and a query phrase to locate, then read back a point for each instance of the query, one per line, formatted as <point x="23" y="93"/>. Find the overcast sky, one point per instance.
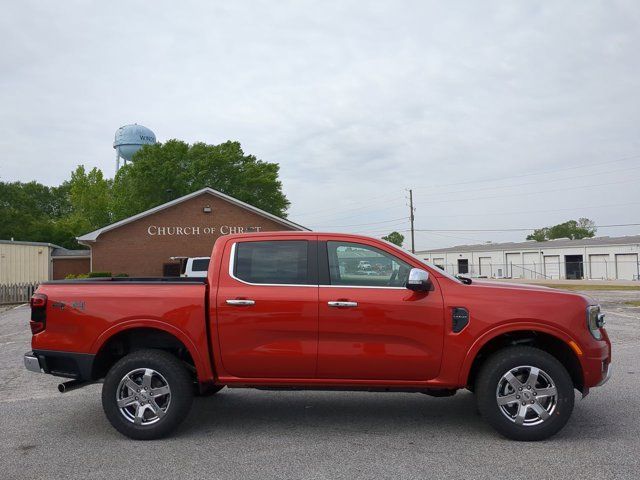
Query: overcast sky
<point x="498" y="114"/>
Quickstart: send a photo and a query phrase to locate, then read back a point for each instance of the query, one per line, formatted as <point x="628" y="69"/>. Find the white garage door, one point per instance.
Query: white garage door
<point x="514" y="265"/>
<point x="485" y="267"/>
<point x="599" y="268"/>
<point x="531" y="264"/>
<point x="626" y="266"/>
<point x="552" y="266"/>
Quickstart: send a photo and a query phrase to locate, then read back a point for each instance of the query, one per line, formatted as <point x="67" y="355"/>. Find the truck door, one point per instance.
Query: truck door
<point x="371" y="326"/>
<point x="267" y="308"/>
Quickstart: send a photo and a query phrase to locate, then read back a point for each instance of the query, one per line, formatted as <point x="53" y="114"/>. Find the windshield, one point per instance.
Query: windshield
<point x="424" y="262"/>
<point x="444" y="273"/>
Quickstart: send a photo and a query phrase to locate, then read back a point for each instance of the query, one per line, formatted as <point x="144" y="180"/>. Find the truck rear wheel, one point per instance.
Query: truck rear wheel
<point x="525" y="393"/>
<point x="147" y="394"/>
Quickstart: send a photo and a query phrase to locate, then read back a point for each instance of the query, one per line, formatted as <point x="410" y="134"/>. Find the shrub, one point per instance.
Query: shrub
<point x="99" y="274"/>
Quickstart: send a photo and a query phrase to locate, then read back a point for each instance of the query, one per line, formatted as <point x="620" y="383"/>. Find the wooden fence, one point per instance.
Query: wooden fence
<point x="17" y="292"/>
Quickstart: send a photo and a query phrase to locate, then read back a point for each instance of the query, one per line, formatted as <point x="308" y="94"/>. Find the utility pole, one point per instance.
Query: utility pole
<point x="413" y="246"/>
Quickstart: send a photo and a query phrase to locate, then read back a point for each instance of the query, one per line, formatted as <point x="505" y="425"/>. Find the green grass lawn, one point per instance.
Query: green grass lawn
<point x="633" y="303"/>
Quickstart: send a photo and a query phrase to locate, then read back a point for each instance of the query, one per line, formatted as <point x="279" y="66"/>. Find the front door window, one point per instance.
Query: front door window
<point x="354" y="264"/>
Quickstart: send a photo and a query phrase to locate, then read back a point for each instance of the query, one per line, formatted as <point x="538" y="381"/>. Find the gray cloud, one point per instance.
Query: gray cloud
<point x="356" y="101"/>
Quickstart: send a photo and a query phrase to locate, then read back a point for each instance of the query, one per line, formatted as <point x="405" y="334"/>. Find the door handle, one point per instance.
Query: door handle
<point x="342" y="304"/>
<point x="240" y="302"/>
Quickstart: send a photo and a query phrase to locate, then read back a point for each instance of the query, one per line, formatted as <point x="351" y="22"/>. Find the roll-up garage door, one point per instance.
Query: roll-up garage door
<point x="599" y="269"/>
<point x="485" y="267"/>
<point x="531" y="265"/>
<point x="627" y="266"/>
<point x="514" y="265"/>
<point x="552" y="266"/>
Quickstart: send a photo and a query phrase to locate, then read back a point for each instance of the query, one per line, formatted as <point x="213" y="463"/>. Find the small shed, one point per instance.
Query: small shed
<point x="34" y="262"/>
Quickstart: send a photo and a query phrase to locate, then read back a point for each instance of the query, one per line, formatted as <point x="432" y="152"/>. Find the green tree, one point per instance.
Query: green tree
<point x="31" y="211"/>
<point x="573" y="229"/>
<point x="90" y="199"/>
<point x="87" y="201"/>
<point x="394" y="237"/>
<point x="162" y="172"/>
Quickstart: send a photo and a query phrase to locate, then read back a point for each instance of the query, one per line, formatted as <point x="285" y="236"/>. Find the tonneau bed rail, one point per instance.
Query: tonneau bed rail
<point x="129" y="280"/>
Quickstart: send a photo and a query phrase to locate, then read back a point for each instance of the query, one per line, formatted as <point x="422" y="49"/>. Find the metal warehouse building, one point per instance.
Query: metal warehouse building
<point x="599" y="258"/>
<point x="34" y="262"/>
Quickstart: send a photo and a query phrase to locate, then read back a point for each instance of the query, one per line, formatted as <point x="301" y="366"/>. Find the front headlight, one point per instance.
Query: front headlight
<point x="595" y="321"/>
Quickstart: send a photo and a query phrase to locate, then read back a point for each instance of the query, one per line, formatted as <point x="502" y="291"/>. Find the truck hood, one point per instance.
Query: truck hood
<point x="529" y="287"/>
<point x="511" y="286"/>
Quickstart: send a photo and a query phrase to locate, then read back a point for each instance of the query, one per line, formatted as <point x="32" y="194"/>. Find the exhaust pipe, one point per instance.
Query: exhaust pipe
<point x="71" y="385"/>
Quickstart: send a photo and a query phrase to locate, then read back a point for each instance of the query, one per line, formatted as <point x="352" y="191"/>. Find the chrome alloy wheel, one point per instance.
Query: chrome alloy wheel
<point x="526" y="395"/>
<point x="143" y="396"/>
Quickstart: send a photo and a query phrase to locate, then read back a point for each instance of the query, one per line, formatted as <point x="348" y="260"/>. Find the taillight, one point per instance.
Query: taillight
<point x="38" y="313"/>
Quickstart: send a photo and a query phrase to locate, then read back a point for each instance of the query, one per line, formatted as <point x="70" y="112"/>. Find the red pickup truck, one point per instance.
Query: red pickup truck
<point x="304" y="310"/>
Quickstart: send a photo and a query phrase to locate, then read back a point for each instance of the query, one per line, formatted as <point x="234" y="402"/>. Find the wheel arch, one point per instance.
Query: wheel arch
<point x="126" y="338"/>
<point x="554" y="342"/>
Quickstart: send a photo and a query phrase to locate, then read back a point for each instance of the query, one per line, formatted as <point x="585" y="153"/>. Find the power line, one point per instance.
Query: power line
<point x="361" y="224"/>
<point x="385" y="232"/>
<point x="387" y="229"/>
<point x="584" y="165"/>
<point x="384" y="197"/>
<point x="473" y="199"/>
<point x="359" y="202"/>
<point x="397" y="204"/>
<point x="450" y="192"/>
<point x="330" y="212"/>
<point x="513" y="229"/>
<point x="412" y="218"/>
<point x="520" y="212"/>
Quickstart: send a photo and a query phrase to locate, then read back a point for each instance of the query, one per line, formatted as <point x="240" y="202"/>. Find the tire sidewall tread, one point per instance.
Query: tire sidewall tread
<point x="177" y="377"/>
<point x="502" y="361"/>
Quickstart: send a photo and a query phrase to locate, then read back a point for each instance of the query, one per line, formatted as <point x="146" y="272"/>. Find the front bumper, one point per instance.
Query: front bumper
<point x="74" y="365"/>
<point x="607" y="375"/>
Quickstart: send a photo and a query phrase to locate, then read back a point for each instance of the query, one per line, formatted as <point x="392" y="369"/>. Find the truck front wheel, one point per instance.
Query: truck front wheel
<point x="147" y="394"/>
<point x="524" y="393"/>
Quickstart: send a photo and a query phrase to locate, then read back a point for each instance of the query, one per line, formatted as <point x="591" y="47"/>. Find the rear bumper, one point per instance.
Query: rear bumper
<point x="61" y="364"/>
<point x="32" y="363"/>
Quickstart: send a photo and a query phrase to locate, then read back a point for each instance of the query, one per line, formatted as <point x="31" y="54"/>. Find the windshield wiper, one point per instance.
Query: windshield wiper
<point x="465" y="280"/>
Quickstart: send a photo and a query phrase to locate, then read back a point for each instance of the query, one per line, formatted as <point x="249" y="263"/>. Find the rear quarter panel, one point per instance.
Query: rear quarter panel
<point x="82" y="317"/>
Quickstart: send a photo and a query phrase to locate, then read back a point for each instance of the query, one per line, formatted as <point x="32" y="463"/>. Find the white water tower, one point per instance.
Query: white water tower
<point x="129" y="139"/>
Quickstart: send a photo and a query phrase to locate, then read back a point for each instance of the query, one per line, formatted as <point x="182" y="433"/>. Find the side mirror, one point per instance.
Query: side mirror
<point x="418" y="280"/>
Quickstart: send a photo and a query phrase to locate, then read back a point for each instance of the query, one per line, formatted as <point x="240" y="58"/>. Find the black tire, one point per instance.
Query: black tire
<point x="488" y="383"/>
<point x="177" y="403"/>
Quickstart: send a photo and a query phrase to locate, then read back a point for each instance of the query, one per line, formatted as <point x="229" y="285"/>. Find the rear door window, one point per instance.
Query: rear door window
<point x="278" y="262"/>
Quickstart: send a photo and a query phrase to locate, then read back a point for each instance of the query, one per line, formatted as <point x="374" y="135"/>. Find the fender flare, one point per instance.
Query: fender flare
<point x="501" y="330"/>
<point x="203" y="369"/>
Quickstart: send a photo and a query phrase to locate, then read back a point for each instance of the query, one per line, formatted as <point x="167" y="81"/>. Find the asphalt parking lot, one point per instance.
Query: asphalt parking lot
<point x="253" y="434"/>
